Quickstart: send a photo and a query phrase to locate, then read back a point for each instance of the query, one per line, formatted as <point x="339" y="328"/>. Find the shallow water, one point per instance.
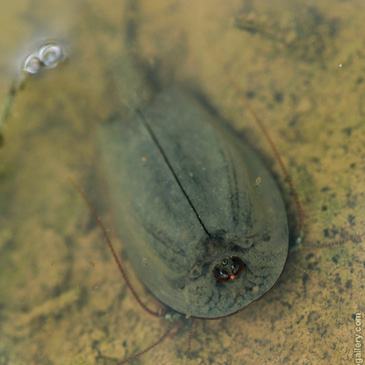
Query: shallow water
<point x="62" y="300"/>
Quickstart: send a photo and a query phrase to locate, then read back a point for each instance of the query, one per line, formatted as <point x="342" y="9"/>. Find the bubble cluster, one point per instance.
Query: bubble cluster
<point x="49" y="55"/>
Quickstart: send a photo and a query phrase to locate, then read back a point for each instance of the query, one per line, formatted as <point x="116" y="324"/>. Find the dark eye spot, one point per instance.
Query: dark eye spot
<point x="236" y="266"/>
<point x="233" y="266"/>
<point x="221" y="275"/>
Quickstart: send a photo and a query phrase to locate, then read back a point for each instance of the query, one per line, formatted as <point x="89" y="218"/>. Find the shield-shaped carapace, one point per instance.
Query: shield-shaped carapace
<point x="201" y="234"/>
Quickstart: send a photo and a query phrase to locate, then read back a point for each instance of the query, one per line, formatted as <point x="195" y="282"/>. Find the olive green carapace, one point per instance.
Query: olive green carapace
<point x="185" y="201"/>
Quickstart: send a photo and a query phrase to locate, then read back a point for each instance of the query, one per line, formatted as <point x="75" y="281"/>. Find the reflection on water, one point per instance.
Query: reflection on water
<point x="61" y="297"/>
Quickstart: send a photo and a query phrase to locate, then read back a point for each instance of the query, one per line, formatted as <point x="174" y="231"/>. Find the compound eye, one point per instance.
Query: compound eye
<point x="236" y="266"/>
<point x="220" y="274"/>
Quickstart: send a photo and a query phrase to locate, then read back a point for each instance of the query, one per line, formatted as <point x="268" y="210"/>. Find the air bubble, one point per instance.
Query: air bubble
<point x="32" y="64"/>
<point x="51" y="54"/>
